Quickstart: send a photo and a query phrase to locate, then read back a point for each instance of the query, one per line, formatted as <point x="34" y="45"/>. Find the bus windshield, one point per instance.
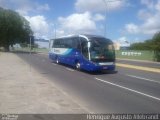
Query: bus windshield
<point x="102" y="50"/>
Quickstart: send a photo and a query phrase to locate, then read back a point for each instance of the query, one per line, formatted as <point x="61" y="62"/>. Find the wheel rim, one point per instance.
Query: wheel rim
<point x="57" y="61"/>
<point x="78" y="65"/>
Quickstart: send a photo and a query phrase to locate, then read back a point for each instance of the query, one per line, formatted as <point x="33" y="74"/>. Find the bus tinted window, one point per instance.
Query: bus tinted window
<point x="60" y="43"/>
<point x="84" y="47"/>
<point x="56" y="43"/>
<point x="102" y="50"/>
<point x="76" y="43"/>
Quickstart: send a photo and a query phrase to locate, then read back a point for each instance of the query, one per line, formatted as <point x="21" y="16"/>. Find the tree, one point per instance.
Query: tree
<point x="156" y="45"/>
<point x="36" y="45"/>
<point x="146" y="45"/>
<point x="13" y="29"/>
<point x="153" y="44"/>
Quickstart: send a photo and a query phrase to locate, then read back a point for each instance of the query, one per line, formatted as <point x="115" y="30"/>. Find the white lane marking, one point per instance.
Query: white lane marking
<point x="146" y="79"/>
<point x="70" y="69"/>
<point x="135" y="91"/>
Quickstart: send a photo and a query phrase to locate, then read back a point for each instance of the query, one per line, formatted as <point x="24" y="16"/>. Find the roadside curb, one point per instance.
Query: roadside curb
<point x="145" y="61"/>
<point x="139" y="67"/>
<point x="25" y="90"/>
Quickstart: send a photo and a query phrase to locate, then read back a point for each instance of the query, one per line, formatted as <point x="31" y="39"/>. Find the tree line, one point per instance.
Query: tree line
<point x="14" y="28"/>
<point x="151" y="44"/>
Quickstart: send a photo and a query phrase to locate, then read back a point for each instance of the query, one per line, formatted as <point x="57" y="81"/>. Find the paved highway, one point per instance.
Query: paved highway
<point x="127" y="91"/>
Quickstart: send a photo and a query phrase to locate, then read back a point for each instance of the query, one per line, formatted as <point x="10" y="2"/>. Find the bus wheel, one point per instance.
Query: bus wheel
<point x="78" y="66"/>
<point x="57" y="61"/>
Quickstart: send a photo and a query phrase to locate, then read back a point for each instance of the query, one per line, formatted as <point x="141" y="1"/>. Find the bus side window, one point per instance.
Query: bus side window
<point x="55" y="44"/>
<point x="76" y="43"/>
<point x="68" y="43"/>
<point x="58" y="43"/>
<point x="84" y="47"/>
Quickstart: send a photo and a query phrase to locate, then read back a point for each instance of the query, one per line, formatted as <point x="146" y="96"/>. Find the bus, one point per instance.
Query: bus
<point x="84" y="52"/>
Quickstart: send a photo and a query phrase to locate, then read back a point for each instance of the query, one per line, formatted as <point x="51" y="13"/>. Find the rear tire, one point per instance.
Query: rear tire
<point x="78" y="66"/>
<point x="57" y="60"/>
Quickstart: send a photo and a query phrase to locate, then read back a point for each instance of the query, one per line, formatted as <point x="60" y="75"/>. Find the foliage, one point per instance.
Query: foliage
<point x="13" y="28"/>
<point x="156" y="42"/>
<point x="23" y="45"/>
<point x="156" y="46"/>
<point x="36" y="45"/>
<point x="152" y="44"/>
<point x="142" y="45"/>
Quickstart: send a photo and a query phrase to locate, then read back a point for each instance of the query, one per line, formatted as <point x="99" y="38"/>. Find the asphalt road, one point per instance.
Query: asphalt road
<point x="127" y="91"/>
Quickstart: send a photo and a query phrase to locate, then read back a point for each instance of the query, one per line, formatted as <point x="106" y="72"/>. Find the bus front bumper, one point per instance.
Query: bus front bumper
<point x="102" y="68"/>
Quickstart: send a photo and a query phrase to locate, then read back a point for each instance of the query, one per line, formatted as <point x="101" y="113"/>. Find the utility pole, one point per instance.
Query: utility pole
<point x="30" y="38"/>
<point x="105" y="23"/>
<point x="55" y="27"/>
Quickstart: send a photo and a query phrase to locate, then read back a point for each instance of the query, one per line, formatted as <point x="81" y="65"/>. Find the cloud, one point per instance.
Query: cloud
<point x="39" y="25"/>
<point x="122" y="39"/>
<point x="152" y="24"/>
<point x="32" y="7"/>
<point x="99" y="5"/>
<point x="150" y="17"/>
<point x="144" y="14"/>
<point x="59" y="33"/>
<point x="157" y="6"/>
<point x="24" y="6"/>
<point x="148" y="3"/>
<point x="43" y="7"/>
<point x="78" y="23"/>
<point x="3" y="3"/>
<point x="131" y="28"/>
<point x="98" y="17"/>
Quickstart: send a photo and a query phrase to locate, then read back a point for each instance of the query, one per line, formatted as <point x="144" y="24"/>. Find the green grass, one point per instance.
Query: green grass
<point x="26" y="49"/>
<point x="41" y="50"/>
<point x="135" y="54"/>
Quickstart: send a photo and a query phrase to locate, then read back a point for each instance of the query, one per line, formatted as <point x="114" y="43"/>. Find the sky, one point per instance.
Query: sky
<point x="118" y="20"/>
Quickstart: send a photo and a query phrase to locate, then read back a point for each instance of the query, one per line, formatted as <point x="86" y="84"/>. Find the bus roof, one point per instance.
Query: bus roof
<point x="87" y="36"/>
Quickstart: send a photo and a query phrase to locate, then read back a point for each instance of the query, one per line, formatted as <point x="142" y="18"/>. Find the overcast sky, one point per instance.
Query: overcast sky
<point x="131" y="20"/>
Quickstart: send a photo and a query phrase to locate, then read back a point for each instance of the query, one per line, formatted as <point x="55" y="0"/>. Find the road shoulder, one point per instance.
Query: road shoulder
<point x="24" y="91"/>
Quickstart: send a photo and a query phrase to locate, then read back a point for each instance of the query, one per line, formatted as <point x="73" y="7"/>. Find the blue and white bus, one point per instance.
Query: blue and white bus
<point x="84" y="52"/>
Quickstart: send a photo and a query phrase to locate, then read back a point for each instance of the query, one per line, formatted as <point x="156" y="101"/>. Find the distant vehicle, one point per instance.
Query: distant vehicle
<point x="84" y="52"/>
